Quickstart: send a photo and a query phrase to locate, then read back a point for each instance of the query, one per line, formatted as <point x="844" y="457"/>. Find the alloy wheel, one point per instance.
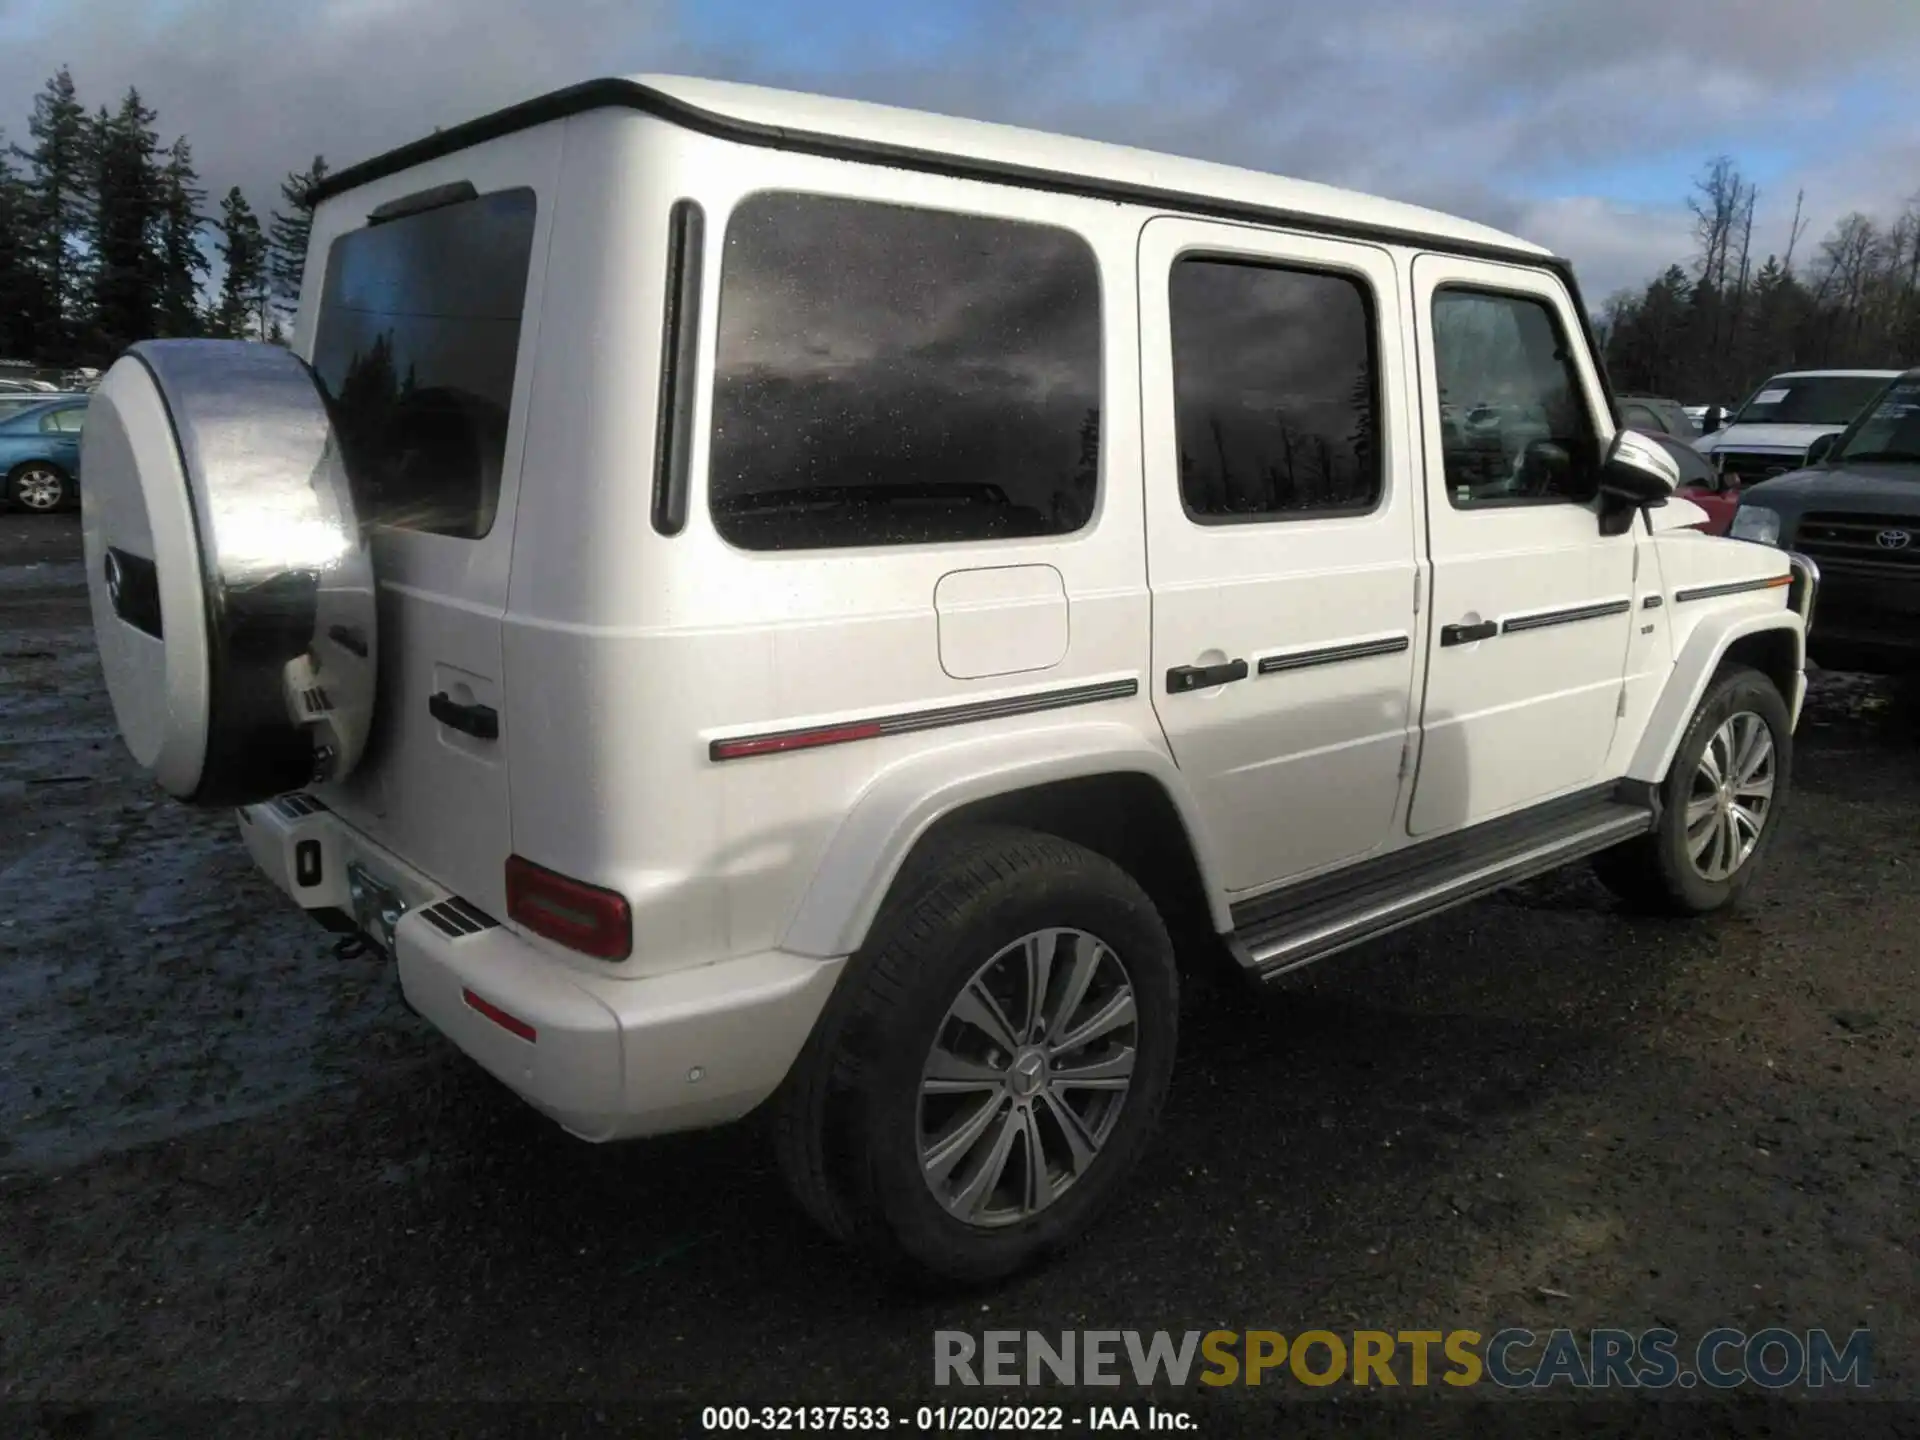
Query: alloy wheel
<point x="1731" y="796"/>
<point x="1027" y="1076"/>
<point x="39" y="488"/>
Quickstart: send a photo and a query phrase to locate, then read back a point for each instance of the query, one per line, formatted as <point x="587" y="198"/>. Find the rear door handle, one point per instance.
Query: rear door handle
<point x="480" y="721"/>
<point x="1182" y="678"/>
<point x="1467" y="634"/>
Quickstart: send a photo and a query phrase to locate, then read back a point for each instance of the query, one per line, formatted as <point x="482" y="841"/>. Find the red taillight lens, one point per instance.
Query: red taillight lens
<point x="581" y="917"/>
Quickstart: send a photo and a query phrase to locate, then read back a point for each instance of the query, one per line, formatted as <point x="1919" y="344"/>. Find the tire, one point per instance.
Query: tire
<point x="1659" y="872"/>
<point x="852" y="1119"/>
<point x="39" y="488"/>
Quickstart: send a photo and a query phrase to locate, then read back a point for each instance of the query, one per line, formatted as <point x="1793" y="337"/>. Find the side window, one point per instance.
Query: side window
<point x="1275" y="392"/>
<point x="1639" y="417"/>
<point x="888" y="375"/>
<point x="66" y="422"/>
<point x="1525" y="435"/>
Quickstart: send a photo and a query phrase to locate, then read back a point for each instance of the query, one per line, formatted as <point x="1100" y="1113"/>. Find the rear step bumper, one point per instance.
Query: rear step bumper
<point x="608" y="1058"/>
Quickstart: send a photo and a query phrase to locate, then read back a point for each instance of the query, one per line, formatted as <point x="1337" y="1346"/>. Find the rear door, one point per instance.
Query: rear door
<point x="428" y="295"/>
<point x="1281" y="523"/>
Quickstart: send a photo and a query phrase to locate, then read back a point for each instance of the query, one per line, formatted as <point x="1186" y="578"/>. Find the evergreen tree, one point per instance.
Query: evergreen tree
<point x="288" y="233"/>
<point x="243" y="249"/>
<point x="127" y="230"/>
<point x="22" y="296"/>
<point x="182" y="262"/>
<point x="57" y="188"/>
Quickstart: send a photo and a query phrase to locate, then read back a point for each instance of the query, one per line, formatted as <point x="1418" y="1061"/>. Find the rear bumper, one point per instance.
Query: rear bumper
<point x="607" y="1058"/>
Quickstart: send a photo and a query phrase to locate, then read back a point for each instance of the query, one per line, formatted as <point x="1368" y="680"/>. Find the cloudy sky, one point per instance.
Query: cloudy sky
<point x="1578" y="123"/>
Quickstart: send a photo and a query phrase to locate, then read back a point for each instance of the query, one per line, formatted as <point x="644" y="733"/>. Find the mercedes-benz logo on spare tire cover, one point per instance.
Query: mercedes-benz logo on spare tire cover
<point x="1894" y="539"/>
<point x="215" y="485"/>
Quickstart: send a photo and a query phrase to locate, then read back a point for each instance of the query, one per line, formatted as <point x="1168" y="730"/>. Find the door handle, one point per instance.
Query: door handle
<point x="480" y="721"/>
<point x="1467" y="634"/>
<point x="1182" y="678"/>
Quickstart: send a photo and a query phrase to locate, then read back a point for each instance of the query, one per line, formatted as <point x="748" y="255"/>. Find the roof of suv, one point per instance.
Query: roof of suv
<point x="914" y="139"/>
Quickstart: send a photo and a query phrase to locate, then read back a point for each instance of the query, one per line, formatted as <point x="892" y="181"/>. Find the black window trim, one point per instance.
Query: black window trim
<point x="709" y="381"/>
<point x="1369" y="300"/>
<point x="1525" y="502"/>
<point x="679" y="367"/>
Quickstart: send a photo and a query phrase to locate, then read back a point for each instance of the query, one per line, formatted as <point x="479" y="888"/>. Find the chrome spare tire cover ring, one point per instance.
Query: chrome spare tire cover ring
<point x="230" y="578"/>
<point x="1027" y="1076"/>
<point x="1731" y="796"/>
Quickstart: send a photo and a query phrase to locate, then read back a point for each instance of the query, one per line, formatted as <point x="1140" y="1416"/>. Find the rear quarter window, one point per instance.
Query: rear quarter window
<point x="889" y="375"/>
<point x="416" y="344"/>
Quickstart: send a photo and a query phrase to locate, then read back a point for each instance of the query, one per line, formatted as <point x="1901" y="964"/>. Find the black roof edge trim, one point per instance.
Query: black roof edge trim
<point x="631" y="95"/>
<point x="615" y="93"/>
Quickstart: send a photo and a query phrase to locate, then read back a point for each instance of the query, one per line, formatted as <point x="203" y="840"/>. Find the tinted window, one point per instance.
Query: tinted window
<point x="1274" y="391"/>
<point x="1639" y="417"/>
<point x="1890" y="432"/>
<point x="895" y="376"/>
<point x="1526" y="435"/>
<point x="418" y="332"/>
<point x="1811" y="399"/>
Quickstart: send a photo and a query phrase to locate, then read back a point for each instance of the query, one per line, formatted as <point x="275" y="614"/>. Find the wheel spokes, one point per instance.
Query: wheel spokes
<point x="1117" y="1011"/>
<point x="939" y="1160"/>
<point x="949" y="1074"/>
<point x="977" y="1007"/>
<point x="972" y="1197"/>
<point x="1040" y="950"/>
<point x="1086" y="952"/>
<point x="1026" y="1076"/>
<point x="1110" y="1073"/>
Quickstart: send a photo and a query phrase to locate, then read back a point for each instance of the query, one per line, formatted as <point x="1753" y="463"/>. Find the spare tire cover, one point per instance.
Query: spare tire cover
<point x="231" y="584"/>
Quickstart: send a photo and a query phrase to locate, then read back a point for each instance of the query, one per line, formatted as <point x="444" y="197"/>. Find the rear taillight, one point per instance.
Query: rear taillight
<point x="581" y="917"/>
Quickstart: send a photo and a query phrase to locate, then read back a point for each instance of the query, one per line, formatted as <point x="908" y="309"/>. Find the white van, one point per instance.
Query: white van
<point x="759" y="598"/>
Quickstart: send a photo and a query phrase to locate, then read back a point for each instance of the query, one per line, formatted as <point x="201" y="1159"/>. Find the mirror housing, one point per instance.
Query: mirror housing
<point x="1637" y="472"/>
<point x="1822" y="447"/>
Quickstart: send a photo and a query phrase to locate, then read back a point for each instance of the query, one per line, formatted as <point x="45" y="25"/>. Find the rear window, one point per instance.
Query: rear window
<point x="418" y="333"/>
<point x="887" y="375"/>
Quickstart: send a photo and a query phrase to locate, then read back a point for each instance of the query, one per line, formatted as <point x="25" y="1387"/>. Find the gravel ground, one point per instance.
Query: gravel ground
<point x="233" y="1165"/>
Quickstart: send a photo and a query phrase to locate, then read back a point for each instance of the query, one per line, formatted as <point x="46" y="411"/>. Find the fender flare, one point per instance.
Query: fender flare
<point x="905" y="800"/>
<point x="1693" y="671"/>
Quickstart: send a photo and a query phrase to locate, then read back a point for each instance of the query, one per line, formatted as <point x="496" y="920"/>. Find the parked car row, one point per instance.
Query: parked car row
<point x="1825" y="463"/>
<point x="40" y="449"/>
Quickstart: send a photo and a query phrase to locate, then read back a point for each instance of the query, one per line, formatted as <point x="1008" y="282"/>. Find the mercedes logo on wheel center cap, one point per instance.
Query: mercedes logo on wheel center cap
<point x="1025" y="1075"/>
<point x="1894" y="539"/>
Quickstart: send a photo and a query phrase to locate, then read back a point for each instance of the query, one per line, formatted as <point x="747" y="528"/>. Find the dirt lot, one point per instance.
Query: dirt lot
<point x="233" y="1165"/>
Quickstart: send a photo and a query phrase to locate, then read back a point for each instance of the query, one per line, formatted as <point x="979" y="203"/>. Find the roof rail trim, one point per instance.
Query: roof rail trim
<point x="624" y="94"/>
<point x="618" y="93"/>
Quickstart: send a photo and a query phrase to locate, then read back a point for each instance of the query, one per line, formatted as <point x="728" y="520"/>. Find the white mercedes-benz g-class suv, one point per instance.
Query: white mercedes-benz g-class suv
<point x="754" y="599"/>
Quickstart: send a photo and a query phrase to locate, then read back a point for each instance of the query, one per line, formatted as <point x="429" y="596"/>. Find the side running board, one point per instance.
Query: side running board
<point x="1285" y="929"/>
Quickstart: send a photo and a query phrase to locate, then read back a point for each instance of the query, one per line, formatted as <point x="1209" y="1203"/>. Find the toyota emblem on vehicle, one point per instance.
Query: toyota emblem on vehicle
<point x="1894" y="539"/>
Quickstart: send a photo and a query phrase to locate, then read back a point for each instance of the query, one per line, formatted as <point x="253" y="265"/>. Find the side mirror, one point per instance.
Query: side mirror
<point x="1637" y="471"/>
<point x="1712" y="420"/>
<point x="1821" y="448"/>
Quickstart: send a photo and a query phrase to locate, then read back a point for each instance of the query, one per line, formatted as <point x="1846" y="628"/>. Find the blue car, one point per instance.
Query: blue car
<point x="40" y="452"/>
